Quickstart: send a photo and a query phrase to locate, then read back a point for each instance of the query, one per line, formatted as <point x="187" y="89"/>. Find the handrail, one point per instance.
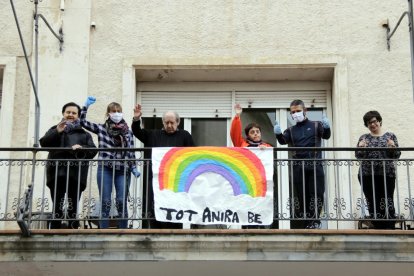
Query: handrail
<point x="150" y="148"/>
<point x="342" y="202"/>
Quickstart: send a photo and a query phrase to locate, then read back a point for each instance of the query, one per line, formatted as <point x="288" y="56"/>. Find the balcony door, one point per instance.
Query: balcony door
<point x="206" y="109"/>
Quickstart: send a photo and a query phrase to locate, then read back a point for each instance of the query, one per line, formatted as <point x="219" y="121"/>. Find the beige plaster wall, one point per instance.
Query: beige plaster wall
<point x="257" y="32"/>
<point x="215" y="32"/>
<point x="10" y="47"/>
<point x="212" y="32"/>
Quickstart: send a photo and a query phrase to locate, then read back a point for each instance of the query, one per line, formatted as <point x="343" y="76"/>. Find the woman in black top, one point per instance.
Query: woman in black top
<point x="377" y="175"/>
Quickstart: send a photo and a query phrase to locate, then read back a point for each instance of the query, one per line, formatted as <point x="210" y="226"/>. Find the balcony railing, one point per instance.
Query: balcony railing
<point x="26" y="195"/>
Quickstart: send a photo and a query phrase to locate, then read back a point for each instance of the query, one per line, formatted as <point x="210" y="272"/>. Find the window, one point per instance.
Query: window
<point x="209" y="132"/>
<point x="156" y="123"/>
<point x="265" y="118"/>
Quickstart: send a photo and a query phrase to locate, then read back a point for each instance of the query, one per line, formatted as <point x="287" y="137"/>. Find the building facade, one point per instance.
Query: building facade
<point x="261" y="54"/>
<point x="200" y="58"/>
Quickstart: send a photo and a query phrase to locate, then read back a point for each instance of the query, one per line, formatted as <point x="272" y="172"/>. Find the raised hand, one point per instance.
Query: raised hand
<point x="325" y="122"/>
<point x="61" y="126"/>
<point x="238" y="109"/>
<point x="89" y="101"/>
<point x="137" y="111"/>
<point x="277" y="128"/>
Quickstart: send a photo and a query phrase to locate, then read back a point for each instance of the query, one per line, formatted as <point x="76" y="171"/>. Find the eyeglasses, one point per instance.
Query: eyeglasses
<point x="254" y="131"/>
<point x="372" y="122"/>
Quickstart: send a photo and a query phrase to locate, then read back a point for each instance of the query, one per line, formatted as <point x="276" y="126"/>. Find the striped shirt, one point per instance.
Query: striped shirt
<point x="106" y="142"/>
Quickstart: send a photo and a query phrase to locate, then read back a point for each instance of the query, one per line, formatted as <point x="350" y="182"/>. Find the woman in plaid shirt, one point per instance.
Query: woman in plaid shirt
<point x="114" y="169"/>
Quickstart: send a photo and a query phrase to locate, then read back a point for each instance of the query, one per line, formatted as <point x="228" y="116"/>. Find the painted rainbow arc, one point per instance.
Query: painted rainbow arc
<point x="239" y="166"/>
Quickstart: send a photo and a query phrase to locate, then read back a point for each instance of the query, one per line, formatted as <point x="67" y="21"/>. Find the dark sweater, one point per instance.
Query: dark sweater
<point x="160" y="138"/>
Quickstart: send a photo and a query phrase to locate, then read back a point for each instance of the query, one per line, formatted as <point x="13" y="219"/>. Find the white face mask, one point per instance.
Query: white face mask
<point x="298" y="117"/>
<point x="116" y="117"/>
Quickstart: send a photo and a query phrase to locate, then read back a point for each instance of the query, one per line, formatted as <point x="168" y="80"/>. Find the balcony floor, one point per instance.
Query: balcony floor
<point x="235" y="252"/>
<point x="208" y="244"/>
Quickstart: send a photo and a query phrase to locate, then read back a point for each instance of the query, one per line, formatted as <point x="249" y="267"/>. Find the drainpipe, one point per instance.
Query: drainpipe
<point x="409" y="13"/>
<point x="410" y="25"/>
<point x="32" y="79"/>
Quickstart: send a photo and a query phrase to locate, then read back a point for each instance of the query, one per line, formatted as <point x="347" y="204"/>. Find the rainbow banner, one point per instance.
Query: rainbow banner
<point x="213" y="185"/>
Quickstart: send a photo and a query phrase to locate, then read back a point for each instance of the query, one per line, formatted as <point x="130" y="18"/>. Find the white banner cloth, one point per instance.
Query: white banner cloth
<point x="213" y="185"/>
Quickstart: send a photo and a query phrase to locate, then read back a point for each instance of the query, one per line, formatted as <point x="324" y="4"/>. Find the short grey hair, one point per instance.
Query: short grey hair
<point x="297" y="102"/>
<point x="177" y="117"/>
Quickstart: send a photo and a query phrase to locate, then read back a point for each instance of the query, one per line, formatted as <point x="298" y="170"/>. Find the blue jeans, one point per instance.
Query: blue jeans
<point x="107" y="178"/>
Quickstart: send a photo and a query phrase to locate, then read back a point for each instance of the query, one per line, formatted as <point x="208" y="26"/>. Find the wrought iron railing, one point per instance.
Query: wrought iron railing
<point x="26" y="194"/>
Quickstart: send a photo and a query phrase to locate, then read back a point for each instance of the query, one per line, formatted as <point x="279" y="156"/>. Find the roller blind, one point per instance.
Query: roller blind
<point x="189" y="104"/>
<point x="216" y="99"/>
<point x="281" y="99"/>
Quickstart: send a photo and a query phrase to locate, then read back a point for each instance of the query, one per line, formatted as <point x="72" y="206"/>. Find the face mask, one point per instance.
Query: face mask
<point x="298" y="117"/>
<point x="116" y="117"/>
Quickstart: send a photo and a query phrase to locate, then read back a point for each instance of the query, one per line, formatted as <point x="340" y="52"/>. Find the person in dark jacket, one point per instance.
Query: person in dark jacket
<point x="169" y="136"/>
<point x="306" y="133"/>
<point x="70" y="176"/>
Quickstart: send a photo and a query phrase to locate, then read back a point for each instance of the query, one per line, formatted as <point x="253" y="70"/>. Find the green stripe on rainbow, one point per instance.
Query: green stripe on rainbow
<point x="239" y="166"/>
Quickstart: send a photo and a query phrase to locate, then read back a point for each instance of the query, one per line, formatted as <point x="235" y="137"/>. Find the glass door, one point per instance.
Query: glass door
<point x="265" y="118"/>
<point x="209" y="131"/>
<point x="287" y="193"/>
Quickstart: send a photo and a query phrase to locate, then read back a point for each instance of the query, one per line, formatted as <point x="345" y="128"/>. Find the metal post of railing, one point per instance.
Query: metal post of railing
<point x="350" y="189"/>
<point x="410" y="199"/>
<point x="337" y="190"/>
<point x="4" y="215"/>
